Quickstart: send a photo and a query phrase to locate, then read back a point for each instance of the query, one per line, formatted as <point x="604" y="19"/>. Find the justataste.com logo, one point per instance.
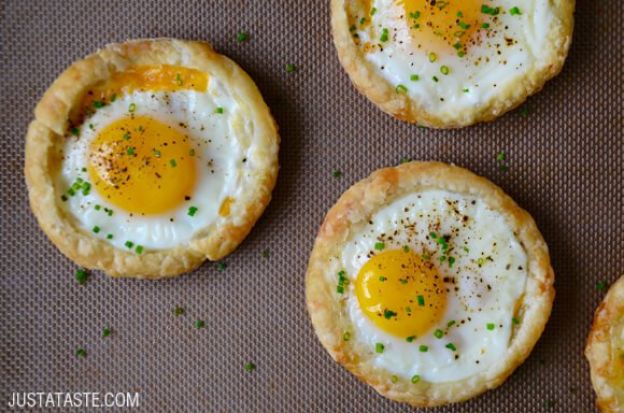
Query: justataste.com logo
<point x="75" y="399"/>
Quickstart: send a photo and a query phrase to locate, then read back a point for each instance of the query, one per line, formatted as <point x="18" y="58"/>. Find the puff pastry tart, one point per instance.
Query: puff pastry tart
<point x="150" y="156"/>
<point x="429" y="283"/>
<point x="451" y="63"/>
<point x="605" y="350"/>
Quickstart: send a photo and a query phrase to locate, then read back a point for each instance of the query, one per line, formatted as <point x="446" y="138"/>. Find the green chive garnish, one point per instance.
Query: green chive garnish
<point x="415" y="378"/>
<point x="199" y="324"/>
<point x="379" y="348"/>
<point x="514" y="11"/>
<point x="178" y="311"/>
<point x="451" y="347"/>
<point x="401" y="89"/>
<point x="438" y="333"/>
<point x="433" y="57"/>
<point x="384" y="35"/>
<point x="492" y="11"/>
<point x="379" y="246"/>
<point x="219" y="110"/>
<point x="81" y="275"/>
<point x="192" y="210"/>
<point x="388" y="314"/>
<point x="129" y="244"/>
<point x="96" y="229"/>
<point x="346" y="336"/>
<point x="81" y="352"/>
<point x="337" y="173"/>
<point x="445" y="70"/>
<point x="242" y="36"/>
<point x="421" y="300"/>
<point x="290" y="68"/>
<point x="132" y="107"/>
<point x="249" y="367"/>
<point x="490" y="326"/>
<point x="173" y="163"/>
<point x="75" y="131"/>
<point x="423" y="348"/>
<point x="410" y="339"/>
<point x="221" y="266"/>
<point x="106" y="332"/>
<point x="139" y="249"/>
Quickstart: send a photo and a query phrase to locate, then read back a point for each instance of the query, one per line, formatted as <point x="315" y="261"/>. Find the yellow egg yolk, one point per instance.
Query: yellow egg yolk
<point x="142" y="165"/>
<point x="445" y="26"/>
<point x="401" y="293"/>
<point x="156" y="78"/>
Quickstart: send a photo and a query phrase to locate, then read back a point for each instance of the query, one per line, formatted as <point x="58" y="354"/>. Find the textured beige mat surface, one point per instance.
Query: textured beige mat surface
<point x="565" y="161"/>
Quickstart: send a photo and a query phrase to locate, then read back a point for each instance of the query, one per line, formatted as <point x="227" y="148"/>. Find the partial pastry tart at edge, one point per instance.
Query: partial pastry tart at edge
<point x="451" y="63"/>
<point x="429" y="283"/>
<point x="150" y="156"/>
<point x="605" y="350"/>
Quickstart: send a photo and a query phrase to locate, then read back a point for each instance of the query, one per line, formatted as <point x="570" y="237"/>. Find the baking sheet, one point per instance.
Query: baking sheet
<point x="565" y="167"/>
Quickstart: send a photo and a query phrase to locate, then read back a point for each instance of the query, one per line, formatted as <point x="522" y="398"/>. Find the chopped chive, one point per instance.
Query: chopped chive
<point x="464" y="25"/>
<point x="406" y="248"/>
<point x="346" y="336"/>
<point x="129" y="244"/>
<point x="382" y="278"/>
<point x="75" y="131"/>
<point x="500" y="156"/>
<point x="421" y="300"/>
<point x="337" y="173"/>
<point x="423" y="348"/>
<point x="98" y="104"/>
<point x="157" y="153"/>
<point x="191" y="152"/>
<point x="433" y="57"/>
<point x="290" y="68"/>
<point x="490" y="326"/>
<point x="139" y="249"/>
<point x="415" y="15"/>
<point x="492" y="11"/>
<point x="192" y="210"/>
<point x="81" y="352"/>
<point x="178" y="311"/>
<point x="450" y="323"/>
<point x="362" y="20"/>
<point x="435" y="78"/>
<point x="97" y="207"/>
<point x="485" y="25"/>
<point x="394" y="378"/>
<point x="81" y="275"/>
<point x="438" y="333"/>
<point x="415" y="378"/>
<point x="242" y="36"/>
<point x="132" y="107"/>
<point x="130" y="151"/>
<point x="451" y="347"/>
<point x="199" y="323"/>
<point x="219" y="110"/>
<point x="379" y="246"/>
<point x="451" y="261"/>
<point x="410" y="339"/>
<point x="445" y="70"/>
<point x="379" y="348"/>
<point x="414" y="78"/>
<point x="514" y="11"/>
<point x="601" y="286"/>
<point x="126" y="136"/>
<point x="388" y="314"/>
<point x="249" y="367"/>
<point x="221" y="266"/>
<point x="106" y="332"/>
<point x="109" y="236"/>
<point x="96" y="229"/>
<point x="515" y="321"/>
<point x="465" y="90"/>
<point x="173" y="163"/>
<point x="401" y="89"/>
<point x="373" y="11"/>
<point x="384" y="35"/>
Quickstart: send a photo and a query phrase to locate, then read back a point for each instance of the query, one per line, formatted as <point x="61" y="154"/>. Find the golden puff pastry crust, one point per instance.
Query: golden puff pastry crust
<point x="605" y="350"/>
<point x="58" y="110"/>
<point x="366" y="77"/>
<point x="355" y="207"/>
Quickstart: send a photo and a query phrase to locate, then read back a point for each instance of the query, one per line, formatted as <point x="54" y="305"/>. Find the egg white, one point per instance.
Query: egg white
<point x="219" y="161"/>
<point x="484" y="234"/>
<point x="467" y="85"/>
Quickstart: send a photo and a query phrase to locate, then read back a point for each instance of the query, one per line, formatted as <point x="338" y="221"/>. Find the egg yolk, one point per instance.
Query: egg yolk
<point x="445" y="26"/>
<point x="401" y="293"/>
<point x="142" y="165"/>
<point x="154" y="78"/>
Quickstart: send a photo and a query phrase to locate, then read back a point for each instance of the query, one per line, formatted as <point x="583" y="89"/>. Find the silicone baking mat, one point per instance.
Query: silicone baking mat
<point x="565" y="165"/>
